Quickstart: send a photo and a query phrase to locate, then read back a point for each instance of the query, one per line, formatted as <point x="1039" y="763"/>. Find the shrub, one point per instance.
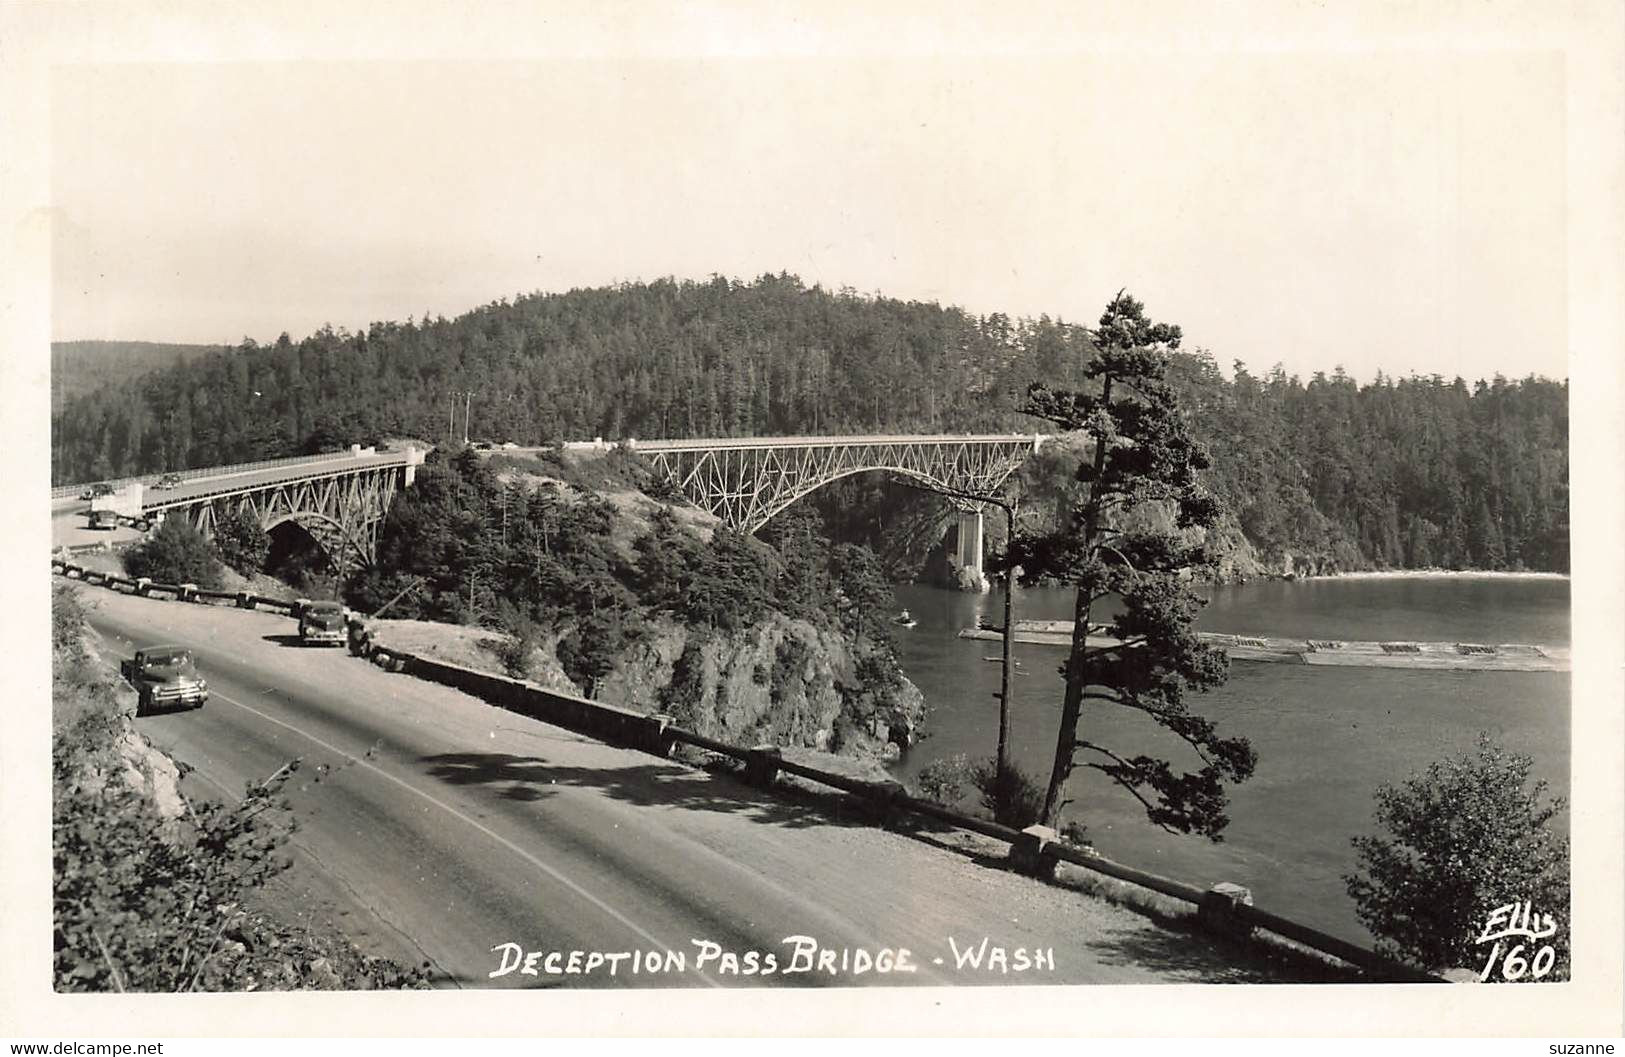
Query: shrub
<point x="589" y="652"/>
<point x="1466" y="836"/>
<point x="944" y="781"/>
<point x="176" y="553"/>
<point x="517" y="648"/>
<point x="67" y="622"/>
<point x="242" y="543"/>
<point x="1016" y="801"/>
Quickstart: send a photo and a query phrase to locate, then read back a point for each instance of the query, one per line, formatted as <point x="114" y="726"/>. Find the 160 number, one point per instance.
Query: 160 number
<point x="1514" y="965"/>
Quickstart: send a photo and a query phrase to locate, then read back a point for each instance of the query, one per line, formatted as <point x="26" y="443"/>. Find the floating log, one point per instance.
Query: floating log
<point x="1328" y="653"/>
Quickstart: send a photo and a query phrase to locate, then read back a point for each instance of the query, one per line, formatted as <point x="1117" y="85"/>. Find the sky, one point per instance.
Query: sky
<point x="1399" y="210"/>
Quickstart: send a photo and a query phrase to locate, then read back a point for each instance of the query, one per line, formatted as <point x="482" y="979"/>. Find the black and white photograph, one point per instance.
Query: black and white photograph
<point x="980" y="520"/>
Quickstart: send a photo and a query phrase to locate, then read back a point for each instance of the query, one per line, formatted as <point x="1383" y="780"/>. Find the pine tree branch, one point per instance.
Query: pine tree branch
<point x="107" y="956"/>
<point x="1125" y="644"/>
<point x="1162" y="714"/>
<point x="1149" y="807"/>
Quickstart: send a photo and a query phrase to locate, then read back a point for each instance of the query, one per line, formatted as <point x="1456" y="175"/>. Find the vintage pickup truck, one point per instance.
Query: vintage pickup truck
<point x="322" y="622"/>
<point x="164" y="676"/>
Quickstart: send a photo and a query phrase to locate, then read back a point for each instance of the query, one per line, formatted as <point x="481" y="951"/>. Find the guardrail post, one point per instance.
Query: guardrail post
<point x="879" y="801"/>
<point x="187" y="593"/>
<point x="1031" y="852"/>
<point x="245" y="600"/>
<point x="1220" y="911"/>
<point x="359" y="639"/>
<point x="657" y="735"/>
<point x="762" y="765"/>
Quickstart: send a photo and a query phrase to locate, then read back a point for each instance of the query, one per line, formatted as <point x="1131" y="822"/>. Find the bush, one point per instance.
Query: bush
<point x="1017" y="801"/>
<point x="67" y="622"/>
<point x="589" y="652"/>
<point x="242" y="544"/>
<point x="176" y="553"/>
<point x="944" y="781"/>
<point x="517" y="648"/>
<point x="1466" y="836"/>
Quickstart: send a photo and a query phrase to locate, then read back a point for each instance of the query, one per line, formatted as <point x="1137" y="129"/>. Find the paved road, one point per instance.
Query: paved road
<point x="442" y="827"/>
<point x="70" y="526"/>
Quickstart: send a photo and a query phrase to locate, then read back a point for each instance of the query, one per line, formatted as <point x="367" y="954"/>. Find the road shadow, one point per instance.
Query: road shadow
<point x="1184" y="953"/>
<point x="284" y="640"/>
<point x="1188" y="954"/>
<point x="531" y="778"/>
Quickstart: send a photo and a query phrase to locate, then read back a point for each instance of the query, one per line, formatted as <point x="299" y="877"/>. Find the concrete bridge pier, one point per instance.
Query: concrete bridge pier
<point x="969" y="559"/>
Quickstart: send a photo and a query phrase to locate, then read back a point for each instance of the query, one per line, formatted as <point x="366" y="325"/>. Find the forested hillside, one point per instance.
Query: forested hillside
<point x="80" y="366"/>
<point x="1397" y="472"/>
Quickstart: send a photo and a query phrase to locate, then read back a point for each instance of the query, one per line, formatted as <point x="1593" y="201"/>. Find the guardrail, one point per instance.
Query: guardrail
<point x="68" y="491"/>
<point x="1035" y="850"/>
<point x="657" y="734"/>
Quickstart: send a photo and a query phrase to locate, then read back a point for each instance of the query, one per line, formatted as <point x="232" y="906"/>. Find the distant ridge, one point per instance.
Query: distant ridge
<point x="81" y="366"/>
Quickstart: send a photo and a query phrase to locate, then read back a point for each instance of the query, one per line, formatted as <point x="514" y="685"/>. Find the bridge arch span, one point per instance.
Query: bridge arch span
<point x="779" y="506"/>
<point x="746" y="481"/>
<point x="341" y="543"/>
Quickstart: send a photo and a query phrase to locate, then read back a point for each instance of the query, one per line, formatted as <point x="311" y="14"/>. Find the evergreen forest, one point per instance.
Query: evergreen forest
<point x="1408" y="472"/>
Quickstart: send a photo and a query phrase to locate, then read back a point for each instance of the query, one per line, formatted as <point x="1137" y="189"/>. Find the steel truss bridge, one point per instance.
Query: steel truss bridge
<point x="745" y="481"/>
<point x="340" y="500"/>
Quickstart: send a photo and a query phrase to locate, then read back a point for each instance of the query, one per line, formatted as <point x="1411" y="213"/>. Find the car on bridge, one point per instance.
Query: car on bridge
<point x="164" y="676"/>
<point x="96" y="491"/>
<point x="168" y="481"/>
<point x="322" y="623"/>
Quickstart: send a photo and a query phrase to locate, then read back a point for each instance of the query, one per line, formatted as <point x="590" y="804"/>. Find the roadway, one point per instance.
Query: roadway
<point x="436" y="827"/>
<point x="70" y="526"/>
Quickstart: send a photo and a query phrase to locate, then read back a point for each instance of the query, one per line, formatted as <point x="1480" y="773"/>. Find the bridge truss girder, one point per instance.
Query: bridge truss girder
<point x="341" y="512"/>
<point x="746" y="486"/>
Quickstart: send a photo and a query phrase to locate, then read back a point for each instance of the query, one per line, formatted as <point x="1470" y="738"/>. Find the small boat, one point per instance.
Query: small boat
<point x="904" y="620"/>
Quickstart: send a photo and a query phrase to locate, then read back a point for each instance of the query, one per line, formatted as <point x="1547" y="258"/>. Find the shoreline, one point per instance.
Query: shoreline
<point x="1436" y="574"/>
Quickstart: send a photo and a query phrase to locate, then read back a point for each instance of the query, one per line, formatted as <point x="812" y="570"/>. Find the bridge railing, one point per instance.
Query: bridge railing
<point x="163" y="501"/>
<point x="650" y="447"/>
<point x="68" y="491"/>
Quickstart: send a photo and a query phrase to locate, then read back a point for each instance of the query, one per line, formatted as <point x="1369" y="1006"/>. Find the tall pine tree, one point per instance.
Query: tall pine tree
<point x="1135" y="534"/>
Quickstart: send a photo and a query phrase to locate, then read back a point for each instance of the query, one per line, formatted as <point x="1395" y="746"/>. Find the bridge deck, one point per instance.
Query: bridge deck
<point x="153" y="500"/>
<point x="761" y="443"/>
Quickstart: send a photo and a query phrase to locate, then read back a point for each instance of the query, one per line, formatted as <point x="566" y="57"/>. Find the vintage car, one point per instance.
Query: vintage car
<point x="168" y="481"/>
<point x="164" y="676"/>
<point x="322" y="622"/>
<point x="94" y="491"/>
